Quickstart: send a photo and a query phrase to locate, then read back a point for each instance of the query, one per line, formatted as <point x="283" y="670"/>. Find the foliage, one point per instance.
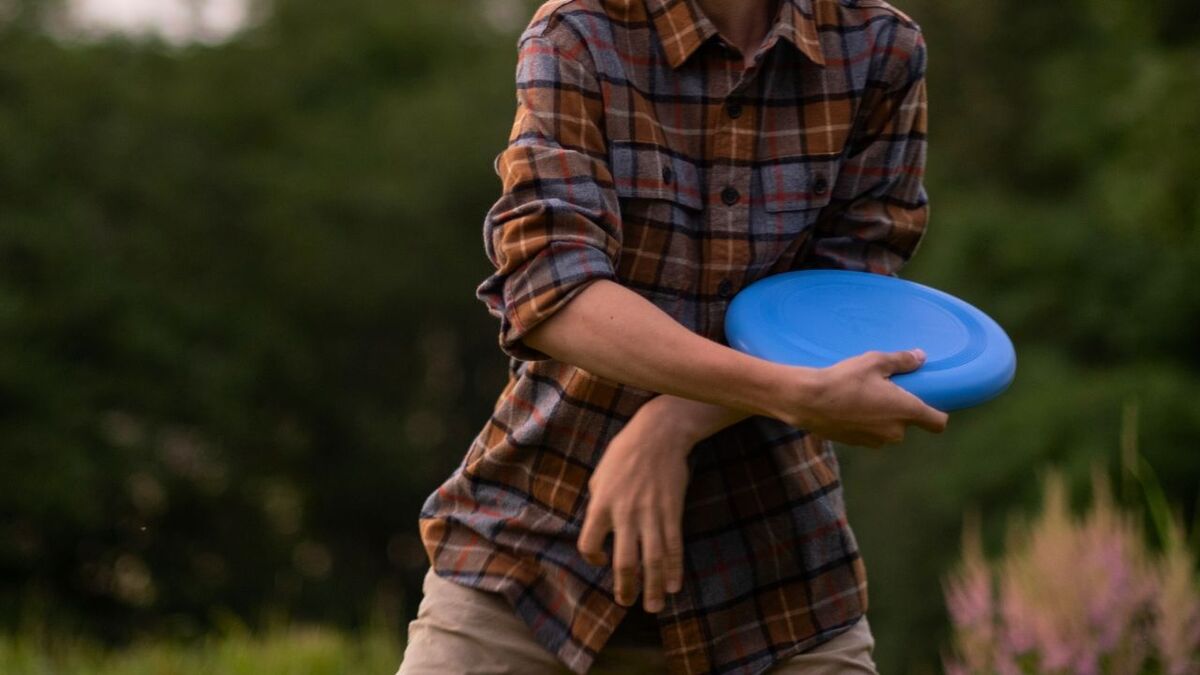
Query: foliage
<point x="227" y="382"/>
<point x="1076" y="596"/>
<point x="294" y="651"/>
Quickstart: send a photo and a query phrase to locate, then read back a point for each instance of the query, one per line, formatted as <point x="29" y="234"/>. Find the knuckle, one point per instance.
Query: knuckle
<point x="623" y="512"/>
<point x="632" y="502"/>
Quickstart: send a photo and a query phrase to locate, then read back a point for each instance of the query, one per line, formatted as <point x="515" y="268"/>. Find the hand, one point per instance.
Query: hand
<point x="854" y="402"/>
<point x="637" y="492"/>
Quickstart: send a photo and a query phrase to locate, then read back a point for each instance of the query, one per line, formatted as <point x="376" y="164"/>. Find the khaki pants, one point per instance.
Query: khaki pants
<point x="463" y="630"/>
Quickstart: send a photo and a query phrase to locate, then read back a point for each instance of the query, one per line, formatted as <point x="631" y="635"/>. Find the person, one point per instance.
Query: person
<point x="665" y="154"/>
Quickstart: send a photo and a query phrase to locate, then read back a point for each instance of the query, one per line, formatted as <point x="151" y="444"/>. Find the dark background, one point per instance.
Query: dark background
<point x="239" y="343"/>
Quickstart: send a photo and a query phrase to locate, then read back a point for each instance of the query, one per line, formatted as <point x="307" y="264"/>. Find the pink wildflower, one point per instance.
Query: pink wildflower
<point x="1078" y="596"/>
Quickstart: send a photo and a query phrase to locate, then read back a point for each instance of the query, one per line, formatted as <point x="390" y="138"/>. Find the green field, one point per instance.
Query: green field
<point x="295" y="651"/>
<point x="311" y="650"/>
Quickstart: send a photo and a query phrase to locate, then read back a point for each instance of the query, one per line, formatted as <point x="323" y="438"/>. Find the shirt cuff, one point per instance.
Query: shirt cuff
<point x="539" y="288"/>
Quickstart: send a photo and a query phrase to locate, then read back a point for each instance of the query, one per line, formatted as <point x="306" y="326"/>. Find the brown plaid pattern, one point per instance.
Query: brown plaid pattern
<point x="642" y="152"/>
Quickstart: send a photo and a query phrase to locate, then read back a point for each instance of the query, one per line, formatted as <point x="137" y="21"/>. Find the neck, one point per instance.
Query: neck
<point x="743" y="23"/>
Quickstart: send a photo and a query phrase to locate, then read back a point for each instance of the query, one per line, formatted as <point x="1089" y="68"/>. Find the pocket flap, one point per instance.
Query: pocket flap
<point x="649" y="171"/>
<point x="800" y="184"/>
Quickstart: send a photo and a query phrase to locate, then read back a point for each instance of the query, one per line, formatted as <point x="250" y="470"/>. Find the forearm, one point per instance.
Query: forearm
<point x="613" y="332"/>
<point x="696" y="420"/>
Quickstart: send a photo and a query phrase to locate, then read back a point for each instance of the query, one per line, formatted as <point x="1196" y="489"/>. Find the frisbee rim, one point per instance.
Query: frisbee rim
<point x="988" y="370"/>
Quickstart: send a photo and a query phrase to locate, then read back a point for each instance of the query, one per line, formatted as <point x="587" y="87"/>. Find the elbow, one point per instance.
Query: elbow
<point x="544" y="337"/>
<point x="561" y="333"/>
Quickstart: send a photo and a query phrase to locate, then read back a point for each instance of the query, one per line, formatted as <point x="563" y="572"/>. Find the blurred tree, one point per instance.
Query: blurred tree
<point x="236" y="285"/>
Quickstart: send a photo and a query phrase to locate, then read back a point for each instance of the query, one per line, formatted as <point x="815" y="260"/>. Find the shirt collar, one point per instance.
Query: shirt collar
<point x="683" y="27"/>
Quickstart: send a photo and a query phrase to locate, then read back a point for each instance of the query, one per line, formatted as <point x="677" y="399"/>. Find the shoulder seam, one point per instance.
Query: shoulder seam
<point x="904" y="18"/>
<point x="551" y="21"/>
<point x="542" y="18"/>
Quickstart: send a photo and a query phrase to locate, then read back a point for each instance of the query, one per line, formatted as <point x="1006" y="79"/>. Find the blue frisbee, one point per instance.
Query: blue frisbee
<point x="819" y="317"/>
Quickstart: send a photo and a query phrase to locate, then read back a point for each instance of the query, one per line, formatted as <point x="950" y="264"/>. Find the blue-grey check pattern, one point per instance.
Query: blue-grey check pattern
<point x="641" y="152"/>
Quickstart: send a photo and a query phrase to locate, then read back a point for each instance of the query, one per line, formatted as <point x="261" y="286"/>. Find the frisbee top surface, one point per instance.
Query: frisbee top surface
<point x="817" y="318"/>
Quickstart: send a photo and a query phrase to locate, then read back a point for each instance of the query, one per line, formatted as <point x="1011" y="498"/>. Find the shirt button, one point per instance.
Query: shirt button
<point x="668" y="175"/>
<point x="820" y="185"/>
<point x="734" y="110"/>
<point x="725" y="288"/>
<point x="730" y="196"/>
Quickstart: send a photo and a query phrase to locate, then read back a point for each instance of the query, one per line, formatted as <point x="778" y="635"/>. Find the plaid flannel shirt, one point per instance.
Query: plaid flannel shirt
<point x="644" y="153"/>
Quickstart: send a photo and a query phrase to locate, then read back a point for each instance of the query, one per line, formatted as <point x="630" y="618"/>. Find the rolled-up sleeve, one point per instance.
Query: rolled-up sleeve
<point x="556" y="226"/>
<point x="881" y="225"/>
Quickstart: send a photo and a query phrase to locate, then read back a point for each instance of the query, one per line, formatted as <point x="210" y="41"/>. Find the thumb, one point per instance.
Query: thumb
<point x="902" y="361"/>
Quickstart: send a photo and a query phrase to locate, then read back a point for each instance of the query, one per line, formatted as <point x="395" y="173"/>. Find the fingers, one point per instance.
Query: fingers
<point x="673" y="560"/>
<point x="625" y="562"/>
<point x="596" y="526"/>
<point x="652" y="561"/>
<point x="899" y="362"/>
<point x="930" y="419"/>
<point x="924" y="415"/>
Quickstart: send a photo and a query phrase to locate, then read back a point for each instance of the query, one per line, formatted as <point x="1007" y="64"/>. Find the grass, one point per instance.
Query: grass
<point x="292" y="651"/>
<point x="301" y="650"/>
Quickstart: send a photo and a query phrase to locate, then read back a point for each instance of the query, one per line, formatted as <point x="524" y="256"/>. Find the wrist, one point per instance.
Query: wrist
<point x="678" y="416"/>
<point x="791" y="394"/>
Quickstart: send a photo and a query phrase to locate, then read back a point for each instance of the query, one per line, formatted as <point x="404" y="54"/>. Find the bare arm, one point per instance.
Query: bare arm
<point x="615" y="333"/>
<point x="696" y="420"/>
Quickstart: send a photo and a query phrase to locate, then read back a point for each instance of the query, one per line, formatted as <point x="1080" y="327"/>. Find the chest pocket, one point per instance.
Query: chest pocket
<point x="662" y="210"/>
<point x="795" y="193"/>
<point x="798" y="185"/>
<point x="649" y="171"/>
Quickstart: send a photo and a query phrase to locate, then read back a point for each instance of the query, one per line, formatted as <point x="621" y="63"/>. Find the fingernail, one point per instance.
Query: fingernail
<point x="920" y="353"/>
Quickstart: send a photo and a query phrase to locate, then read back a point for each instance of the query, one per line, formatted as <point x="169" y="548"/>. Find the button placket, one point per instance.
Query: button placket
<point x="728" y="180"/>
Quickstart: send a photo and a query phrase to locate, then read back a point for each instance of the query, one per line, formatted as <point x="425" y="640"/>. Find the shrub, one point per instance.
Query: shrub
<point x="1075" y="595"/>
